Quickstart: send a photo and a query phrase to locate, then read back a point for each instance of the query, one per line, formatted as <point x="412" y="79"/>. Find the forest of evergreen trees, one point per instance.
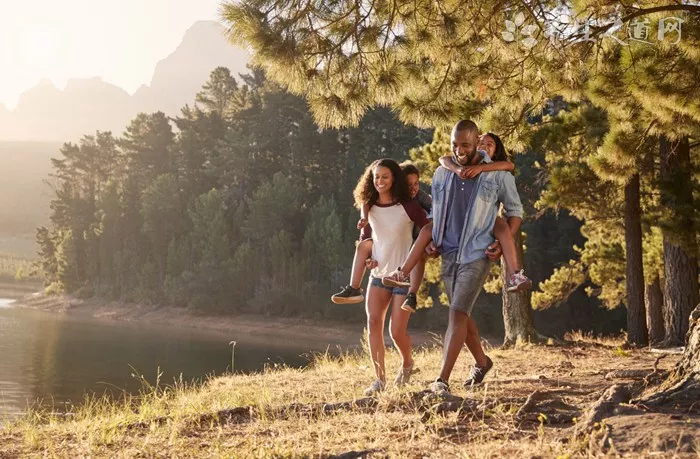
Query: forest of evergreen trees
<point x="239" y="204"/>
<point x="243" y="204"/>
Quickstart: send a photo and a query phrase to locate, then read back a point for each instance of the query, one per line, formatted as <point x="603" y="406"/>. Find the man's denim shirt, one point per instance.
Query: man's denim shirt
<point x="491" y="189"/>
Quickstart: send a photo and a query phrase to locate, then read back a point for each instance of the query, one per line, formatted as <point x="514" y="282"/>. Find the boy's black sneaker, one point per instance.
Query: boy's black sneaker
<point x="477" y="373"/>
<point x="348" y="295"/>
<point x="410" y="303"/>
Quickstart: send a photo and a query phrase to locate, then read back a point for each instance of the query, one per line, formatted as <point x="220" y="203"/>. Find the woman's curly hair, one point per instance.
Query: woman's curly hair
<point x="365" y="193"/>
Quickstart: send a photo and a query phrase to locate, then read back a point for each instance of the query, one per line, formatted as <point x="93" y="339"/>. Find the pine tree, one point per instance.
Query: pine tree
<point x="161" y="211"/>
<point x="213" y="269"/>
<point x="221" y="94"/>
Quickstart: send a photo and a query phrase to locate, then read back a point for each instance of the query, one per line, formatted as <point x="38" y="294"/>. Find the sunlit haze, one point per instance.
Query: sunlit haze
<point x="118" y="41"/>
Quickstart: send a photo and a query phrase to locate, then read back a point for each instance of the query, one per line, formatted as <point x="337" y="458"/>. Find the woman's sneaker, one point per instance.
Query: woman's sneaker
<point x="376" y="387"/>
<point x="403" y="377"/>
<point x="519" y="282"/>
<point x="348" y="295"/>
<point x="409" y="304"/>
<point x="396" y="279"/>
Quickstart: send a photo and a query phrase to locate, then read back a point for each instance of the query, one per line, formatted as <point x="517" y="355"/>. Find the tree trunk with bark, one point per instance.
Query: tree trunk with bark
<point x="636" y="316"/>
<point x="654" y="300"/>
<point x="682" y="387"/>
<point x="680" y="244"/>
<point x="517" y="308"/>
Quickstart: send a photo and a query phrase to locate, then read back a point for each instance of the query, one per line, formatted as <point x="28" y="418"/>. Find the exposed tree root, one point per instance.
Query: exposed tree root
<point x="667" y="351"/>
<point x="684" y="394"/>
<point x="682" y="388"/>
<point x="629" y="374"/>
<point x="529" y="404"/>
<point x="532" y="337"/>
<point x="604" y="406"/>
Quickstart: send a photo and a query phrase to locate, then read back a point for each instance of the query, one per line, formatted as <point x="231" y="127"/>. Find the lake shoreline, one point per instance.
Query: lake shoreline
<point x="333" y="332"/>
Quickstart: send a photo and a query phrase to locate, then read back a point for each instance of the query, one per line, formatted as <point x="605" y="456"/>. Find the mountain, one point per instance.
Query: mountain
<point x="45" y="113"/>
<point x="179" y="77"/>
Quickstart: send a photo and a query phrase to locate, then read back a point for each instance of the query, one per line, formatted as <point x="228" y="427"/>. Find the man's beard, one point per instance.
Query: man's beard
<point x="469" y="158"/>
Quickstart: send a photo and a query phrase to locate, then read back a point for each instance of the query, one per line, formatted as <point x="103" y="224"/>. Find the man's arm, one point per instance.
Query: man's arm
<point x="514" y="224"/>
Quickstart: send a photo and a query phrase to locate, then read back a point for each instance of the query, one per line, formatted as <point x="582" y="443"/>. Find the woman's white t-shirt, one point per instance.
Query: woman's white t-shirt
<point x="391" y="230"/>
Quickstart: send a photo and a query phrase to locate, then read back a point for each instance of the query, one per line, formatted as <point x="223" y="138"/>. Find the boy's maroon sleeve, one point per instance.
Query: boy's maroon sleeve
<point x="416" y="213"/>
<point x="366" y="233"/>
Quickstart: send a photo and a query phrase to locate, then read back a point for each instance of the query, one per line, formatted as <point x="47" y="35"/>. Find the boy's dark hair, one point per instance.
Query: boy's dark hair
<point x="409" y="168"/>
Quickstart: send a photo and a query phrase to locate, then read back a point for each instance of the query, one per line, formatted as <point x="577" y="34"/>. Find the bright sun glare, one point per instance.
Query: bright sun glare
<point x="36" y="47"/>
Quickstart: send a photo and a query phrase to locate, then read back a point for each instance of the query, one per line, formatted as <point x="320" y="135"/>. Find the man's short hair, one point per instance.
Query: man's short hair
<point x="409" y="168"/>
<point x="466" y="125"/>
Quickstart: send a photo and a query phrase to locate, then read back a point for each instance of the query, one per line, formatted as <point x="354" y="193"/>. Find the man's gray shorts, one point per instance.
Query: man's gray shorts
<point x="463" y="282"/>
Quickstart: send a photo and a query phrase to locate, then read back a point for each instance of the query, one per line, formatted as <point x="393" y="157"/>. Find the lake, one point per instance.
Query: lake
<point x="58" y="359"/>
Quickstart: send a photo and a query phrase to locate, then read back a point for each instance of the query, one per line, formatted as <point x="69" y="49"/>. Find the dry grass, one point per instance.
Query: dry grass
<point x="169" y="421"/>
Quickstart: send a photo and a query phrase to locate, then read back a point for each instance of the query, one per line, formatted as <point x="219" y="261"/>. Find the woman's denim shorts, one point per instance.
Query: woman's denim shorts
<point x="377" y="282"/>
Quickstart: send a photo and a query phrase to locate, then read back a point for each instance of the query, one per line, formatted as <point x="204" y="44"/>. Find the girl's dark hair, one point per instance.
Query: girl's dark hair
<point x="500" y="153"/>
<point x="365" y="193"/>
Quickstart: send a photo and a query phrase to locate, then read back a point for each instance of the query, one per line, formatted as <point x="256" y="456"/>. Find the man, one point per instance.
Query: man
<point x="464" y="212"/>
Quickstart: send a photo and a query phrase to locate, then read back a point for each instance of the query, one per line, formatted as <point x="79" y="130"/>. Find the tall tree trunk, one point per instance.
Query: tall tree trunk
<point x="654" y="307"/>
<point x="680" y="291"/>
<point x="517" y="308"/>
<point x="680" y="245"/>
<point x="636" y="315"/>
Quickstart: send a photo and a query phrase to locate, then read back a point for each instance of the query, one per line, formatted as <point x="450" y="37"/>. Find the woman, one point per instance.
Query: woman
<point x="392" y="213"/>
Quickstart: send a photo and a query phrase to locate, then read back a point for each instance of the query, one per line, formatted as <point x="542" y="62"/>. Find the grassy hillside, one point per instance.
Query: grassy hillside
<point x="537" y="403"/>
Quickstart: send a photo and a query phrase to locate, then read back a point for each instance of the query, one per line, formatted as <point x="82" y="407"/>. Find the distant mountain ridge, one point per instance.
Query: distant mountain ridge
<point x="45" y="113"/>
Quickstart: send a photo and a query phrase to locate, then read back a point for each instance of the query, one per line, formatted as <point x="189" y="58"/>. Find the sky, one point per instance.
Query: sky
<point x="120" y="41"/>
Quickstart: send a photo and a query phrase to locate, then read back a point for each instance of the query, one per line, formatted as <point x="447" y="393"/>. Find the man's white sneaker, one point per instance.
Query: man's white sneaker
<point x="376" y="387"/>
<point x="439" y="387"/>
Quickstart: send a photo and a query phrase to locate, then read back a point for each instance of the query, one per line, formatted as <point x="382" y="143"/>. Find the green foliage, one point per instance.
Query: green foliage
<point x="236" y="211"/>
<point x="273" y="205"/>
<point x="322" y="239"/>
<point x="560" y="285"/>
